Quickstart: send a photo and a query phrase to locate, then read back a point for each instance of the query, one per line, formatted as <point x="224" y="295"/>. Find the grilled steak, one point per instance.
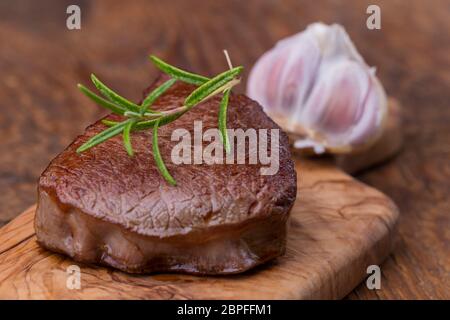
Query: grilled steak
<point x="105" y="207"/>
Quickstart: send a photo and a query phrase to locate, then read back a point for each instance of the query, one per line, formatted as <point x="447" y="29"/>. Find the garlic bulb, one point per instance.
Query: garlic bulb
<point x="317" y="86"/>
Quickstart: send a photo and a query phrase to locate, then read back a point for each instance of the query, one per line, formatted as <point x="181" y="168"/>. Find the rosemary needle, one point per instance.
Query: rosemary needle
<point x="223" y="120"/>
<point x="109" y="123"/>
<point x="158" y="159"/>
<point x="126" y="138"/>
<point x="211" y="86"/>
<point x="103" y="136"/>
<point x="114" y="97"/>
<point x="179" y="74"/>
<point x="102" y="102"/>
<point x="155" y="94"/>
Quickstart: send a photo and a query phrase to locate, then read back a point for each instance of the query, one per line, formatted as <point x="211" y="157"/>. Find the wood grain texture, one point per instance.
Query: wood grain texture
<point x="339" y="226"/>
<point x="41" y="61"/>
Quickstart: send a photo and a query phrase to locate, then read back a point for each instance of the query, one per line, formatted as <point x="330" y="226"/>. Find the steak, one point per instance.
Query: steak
<point x="105" y="207"/>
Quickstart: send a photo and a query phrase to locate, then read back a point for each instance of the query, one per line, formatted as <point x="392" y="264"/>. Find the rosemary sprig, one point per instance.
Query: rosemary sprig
<point x="142" y="117"/>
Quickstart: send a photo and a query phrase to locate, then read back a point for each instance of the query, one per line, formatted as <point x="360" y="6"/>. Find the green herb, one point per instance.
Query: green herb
<point x="155" y="94"/>
<point x="209" y="87"/>
<point x="178" y="74"/>
<point x="143" y="117"/>
<point x="109" y="123"/>
<point x="104" y="135"/>
<point x="102" y="102"/>
<point x="223" y="120"/>
<point x="158" y="159"/>
<point x="126" y="138"/>
<point x="114" y="97"/>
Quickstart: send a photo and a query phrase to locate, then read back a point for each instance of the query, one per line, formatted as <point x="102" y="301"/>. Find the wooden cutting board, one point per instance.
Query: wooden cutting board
<point x="339" y="227"/>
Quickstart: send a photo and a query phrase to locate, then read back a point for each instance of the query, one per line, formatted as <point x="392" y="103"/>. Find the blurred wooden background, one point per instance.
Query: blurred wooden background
<point x="41" y="110"/>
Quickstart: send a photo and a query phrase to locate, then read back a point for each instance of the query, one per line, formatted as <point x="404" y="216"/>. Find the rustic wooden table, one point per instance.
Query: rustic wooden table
<point x="41" y="110"/>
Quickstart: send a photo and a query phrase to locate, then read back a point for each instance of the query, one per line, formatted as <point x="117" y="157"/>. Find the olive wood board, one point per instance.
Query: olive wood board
<point x="339" y="226"/>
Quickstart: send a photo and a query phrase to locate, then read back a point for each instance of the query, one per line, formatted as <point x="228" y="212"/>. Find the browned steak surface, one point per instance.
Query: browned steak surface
<point x="103" y="206"/>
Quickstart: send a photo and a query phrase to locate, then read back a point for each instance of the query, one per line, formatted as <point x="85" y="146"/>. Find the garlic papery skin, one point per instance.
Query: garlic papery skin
<point x="317" y="86"/>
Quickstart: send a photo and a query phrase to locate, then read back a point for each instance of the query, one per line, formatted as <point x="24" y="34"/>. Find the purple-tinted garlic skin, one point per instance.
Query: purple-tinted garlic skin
<point x="316" y="84"/>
